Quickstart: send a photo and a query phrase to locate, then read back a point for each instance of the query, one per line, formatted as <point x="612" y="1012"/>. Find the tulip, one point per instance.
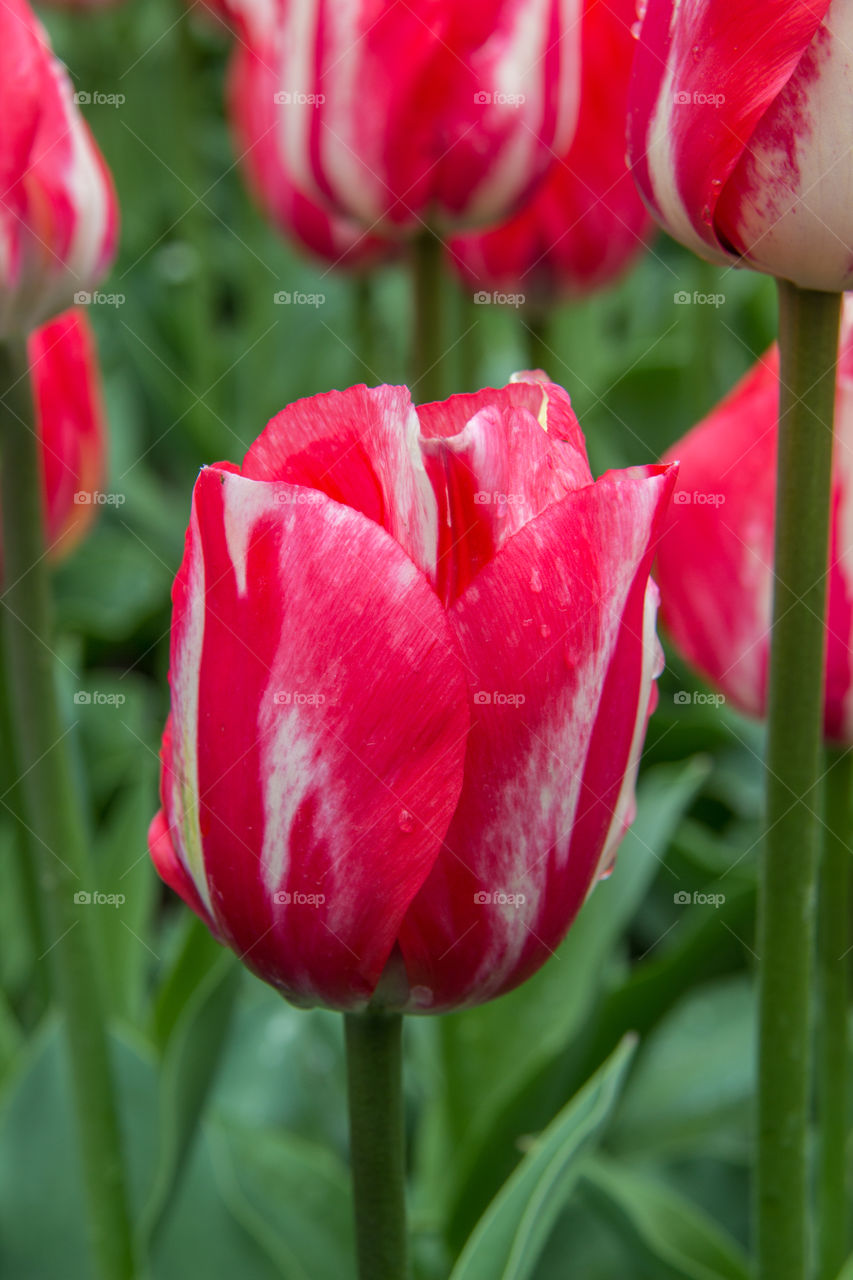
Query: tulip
<point x="58" y="218"/>
<point x="445" y="113"/>
<point x="70" y="423"/>
<point x="412" y="661"/>
<point x="255" y="114"/>
<point x="585" y="222"/>
<point x="716" y="555"/>
<point x="739" y="133"/>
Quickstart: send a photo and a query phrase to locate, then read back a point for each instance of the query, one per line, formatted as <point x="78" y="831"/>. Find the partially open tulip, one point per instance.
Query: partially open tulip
<point x="716" y="555"/>
<point x="70" y="423"/>
<point x="740" y="133"/>
<point x="58" y="216"/>
<point x="447" y="114"/>
<point x="585" y="223"/>
<point x="412" y="659"/>
<point x="255" y="115"/>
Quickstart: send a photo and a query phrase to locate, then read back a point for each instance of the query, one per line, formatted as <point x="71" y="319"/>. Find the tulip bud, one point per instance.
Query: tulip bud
<point x="70" y="425"/>
<point x="716" y="554"/>
<point x="255" y="119"/>
<point x="445" y="114"/>
<point x="58" y="219"/>
<point x="740" y="134"/>
<point x="412" y="659"/>
<point x="585" y="222"/>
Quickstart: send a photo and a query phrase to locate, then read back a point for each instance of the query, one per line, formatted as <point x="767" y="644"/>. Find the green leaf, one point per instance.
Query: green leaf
<point x="42" y="1210"/>
<point x="846" y="1272"/>
<point x="110" y="585"/>
<point x="675" y="1231"/>
<point x="695" y="1077"/>
<point x="190" y="1063"/>
<point x="291" y="1196"/>
<point x="196" y="954"/>
<point x="507" y="1242"/>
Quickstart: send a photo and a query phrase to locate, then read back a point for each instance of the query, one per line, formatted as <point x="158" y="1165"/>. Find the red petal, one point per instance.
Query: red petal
<point x="553" y="633"/>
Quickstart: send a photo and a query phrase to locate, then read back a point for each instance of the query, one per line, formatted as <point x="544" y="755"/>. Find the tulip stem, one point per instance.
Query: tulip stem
<point x="833" y="963"/>
<point x="537" y="330"/>
<point x="377" y="1149"/>
<point x="427" y="382"/>
<point x="54" y="818"/>
<point x="808" y="340"/>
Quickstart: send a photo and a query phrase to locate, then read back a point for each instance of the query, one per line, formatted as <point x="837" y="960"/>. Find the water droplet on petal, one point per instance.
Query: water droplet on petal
<point x="535" y="582"/>
<point x="697" y="53"/>
<point x="405" y="821"/>
<point x="526" y="622"/>
<point x="544" y="631"/>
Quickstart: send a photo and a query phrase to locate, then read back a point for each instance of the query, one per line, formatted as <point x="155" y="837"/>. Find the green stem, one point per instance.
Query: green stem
<point x="364" y="304"/>
<point x="377" y="1152"/>
<point x="428" y="352"/>
<point x="833" y="963"/>
<point x="54" y="818"/>
<point x="468" y="316"/>
<point x="539" y="346"/>
<point x="808" y="340"/>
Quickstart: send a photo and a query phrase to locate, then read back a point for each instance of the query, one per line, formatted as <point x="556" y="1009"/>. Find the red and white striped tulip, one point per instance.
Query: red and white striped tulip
<point x="58" y="215"/>
<point x="716" y="555"/>
<point x="71" y="427"/>
<point x="254" y="114"/>
<point x="446" y="113"/>
<point x="412" y="660"/>
<point x="741" y="133"/>
<point x="585" y="223"/>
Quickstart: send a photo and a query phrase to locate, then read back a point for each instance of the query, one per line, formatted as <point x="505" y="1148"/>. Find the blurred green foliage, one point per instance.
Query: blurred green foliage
<point x="196" y="360"/>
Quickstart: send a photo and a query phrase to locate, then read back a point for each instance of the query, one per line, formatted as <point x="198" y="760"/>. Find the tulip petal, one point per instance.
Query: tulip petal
<point x="556" y="630"/>
<point x="704" y="75"/>
<point x="496" y="460"/>
<point x="787" y="205"/>
<point x="359" y="447"/>
<point x="319" y="725"/>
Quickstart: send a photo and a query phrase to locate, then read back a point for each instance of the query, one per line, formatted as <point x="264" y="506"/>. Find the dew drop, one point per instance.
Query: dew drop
<point x="405" y="821"/>
<point x="697" y="53"/>
<point x="526" y="622"/>
<point x="535" y="582"/>
<point x="544" y="631"/>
